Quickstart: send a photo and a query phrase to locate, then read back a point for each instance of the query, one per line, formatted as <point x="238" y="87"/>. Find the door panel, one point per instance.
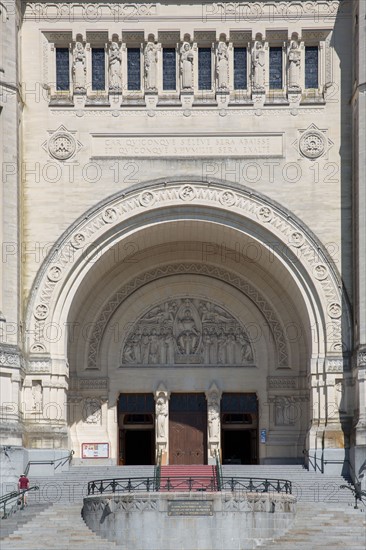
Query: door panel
<point x="188" y="429"/>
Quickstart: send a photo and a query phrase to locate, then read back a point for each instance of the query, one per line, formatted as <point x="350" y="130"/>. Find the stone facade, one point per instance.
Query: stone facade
<point x="195" y="239"/>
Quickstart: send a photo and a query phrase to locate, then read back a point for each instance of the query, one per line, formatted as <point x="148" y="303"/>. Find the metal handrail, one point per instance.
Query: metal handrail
<point x="16" y="496"/>
<point x="184" y="483"/>
<point x="65" y="459"/>
<point x="157" y="472"/>
<point x="218" y="471"/>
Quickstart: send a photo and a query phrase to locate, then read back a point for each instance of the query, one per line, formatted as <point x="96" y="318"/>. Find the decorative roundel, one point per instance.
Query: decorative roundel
<point x="227" y="198"/>
<point x="296" y="239"/>
<point x="78" y="240"/>
<point x="334" y="310"/>
<point x="187" y="193"/>
<point x="109" y="215"/>
<point x="265" y="214"/>
<point x="147" y="198"/>
<point x="54" y="273"/>
<point x="62" y="146"/>
<point x="312" y="144"/>
<point x="41" y="311"/>
<point x="320" y="272"/>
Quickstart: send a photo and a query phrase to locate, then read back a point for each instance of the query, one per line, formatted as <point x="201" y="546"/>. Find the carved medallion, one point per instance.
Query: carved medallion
<point x="296" y="239"/>
<point x="227" y="198"/>
<point x="334" y="310"/>
<point x="312" y="144"/>
<point x="109" y="215"/>
<point x="147" y="198"/>
<point x="41" y="311"/>
<point x="54" y="274"/>
<point x="187" y="193"/>
<point x="62" y="146"/>
<point x="265" y="214"/>
<point x="320" y="272"/>
<point x="78" y="240"/>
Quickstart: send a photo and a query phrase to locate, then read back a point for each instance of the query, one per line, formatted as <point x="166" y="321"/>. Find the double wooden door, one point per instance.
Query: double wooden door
<point x="187" y="428"/>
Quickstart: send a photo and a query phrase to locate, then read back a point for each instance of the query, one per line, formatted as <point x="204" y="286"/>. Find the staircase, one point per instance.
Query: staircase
<point x="59" y="527"/>
<point x="319" y="526"/>
<point x="188" y="478"/>
<point x="325" y="516"/>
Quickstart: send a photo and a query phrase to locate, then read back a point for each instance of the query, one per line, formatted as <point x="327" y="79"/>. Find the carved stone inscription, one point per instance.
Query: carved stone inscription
<point x="249" y="145"/>
<point x="190" y="508"/>
<point x="187" y="331"/>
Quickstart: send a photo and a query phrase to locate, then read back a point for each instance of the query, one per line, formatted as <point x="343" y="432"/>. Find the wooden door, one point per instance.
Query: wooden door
<point x="187" y="429"/>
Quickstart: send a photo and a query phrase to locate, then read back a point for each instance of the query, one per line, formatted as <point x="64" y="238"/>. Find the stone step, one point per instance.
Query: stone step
<point x="59" y="527"/>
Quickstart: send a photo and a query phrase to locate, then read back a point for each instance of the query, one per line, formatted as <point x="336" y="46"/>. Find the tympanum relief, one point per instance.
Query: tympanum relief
<point x="187" y="331"/>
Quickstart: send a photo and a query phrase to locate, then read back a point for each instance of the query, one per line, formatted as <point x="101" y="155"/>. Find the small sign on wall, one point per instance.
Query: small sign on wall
<point x="263" y="436"/>
<point x="95" y="450"/>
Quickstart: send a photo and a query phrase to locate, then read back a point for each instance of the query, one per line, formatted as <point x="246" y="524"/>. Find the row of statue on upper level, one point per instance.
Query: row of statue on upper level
<point x="186" y="66"/>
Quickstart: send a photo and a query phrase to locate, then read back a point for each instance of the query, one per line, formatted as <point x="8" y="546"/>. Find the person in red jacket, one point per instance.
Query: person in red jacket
<point x="23" y="484"/>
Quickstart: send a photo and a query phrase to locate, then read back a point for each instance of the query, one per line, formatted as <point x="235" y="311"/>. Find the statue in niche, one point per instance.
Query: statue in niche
<point x="114" y="67"/>
<point x="294" y="60"/>
<point x="258" y="66"/>
<point x="186" y="66"/>
<point x="79" y="68"/>
<point x="37" y="395"/>
<point x="151" y="58"/>
<point x="213" y="418"/>
<point x="161" y="417"/>
<point x="222" y="68"/>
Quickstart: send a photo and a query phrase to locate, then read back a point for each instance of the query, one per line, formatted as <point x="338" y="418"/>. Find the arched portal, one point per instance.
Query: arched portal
<point x="183" y="288"/>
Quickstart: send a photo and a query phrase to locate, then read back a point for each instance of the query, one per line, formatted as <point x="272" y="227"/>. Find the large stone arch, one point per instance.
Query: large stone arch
<point x="96" y="231"/>
<point x="293" y="246"/>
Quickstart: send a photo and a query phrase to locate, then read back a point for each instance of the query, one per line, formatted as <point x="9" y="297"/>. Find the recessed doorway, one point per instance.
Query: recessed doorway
<point x="187" y="428"/>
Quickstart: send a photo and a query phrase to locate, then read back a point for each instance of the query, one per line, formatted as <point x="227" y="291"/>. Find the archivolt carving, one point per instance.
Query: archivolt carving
<point x="174" y="269"/>
<point x="72" y="247"/>
<point x="187" y="331"/>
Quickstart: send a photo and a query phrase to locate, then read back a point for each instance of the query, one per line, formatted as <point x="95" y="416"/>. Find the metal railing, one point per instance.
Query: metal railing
<point x="157" y="472"/>
<point x="181" y="483"/>
<point x="256" y="485"/>
<point x="60" y="462"/>
<point x="16" y="501"/>
<point x="218" y="471"/>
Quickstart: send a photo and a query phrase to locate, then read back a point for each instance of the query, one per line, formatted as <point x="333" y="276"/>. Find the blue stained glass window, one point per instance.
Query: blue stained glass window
<point x="204" y="68"/>
<point x="62" y="69"/>
<point x="169" y="69"/>
<point x="275" y="68"/>
<point x="98" y="69"/>
<point x="311" y="67"/>
<point x="133" y="69"/>
<point x="240" y="68"/>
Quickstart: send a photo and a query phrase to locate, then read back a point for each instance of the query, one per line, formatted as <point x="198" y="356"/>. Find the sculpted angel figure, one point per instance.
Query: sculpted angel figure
<point x="150" y="66"/>
<point x="294" y="60"/>
<point x="186" y="65"/>
<point x="114" y="61"/>
<point x="222" y="68"/>
<point x="78" y="67"/>
<point x="258" y="62"/>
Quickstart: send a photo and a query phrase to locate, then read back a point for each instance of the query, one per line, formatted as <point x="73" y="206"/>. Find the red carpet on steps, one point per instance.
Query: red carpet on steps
<point x="188" y="478"/>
